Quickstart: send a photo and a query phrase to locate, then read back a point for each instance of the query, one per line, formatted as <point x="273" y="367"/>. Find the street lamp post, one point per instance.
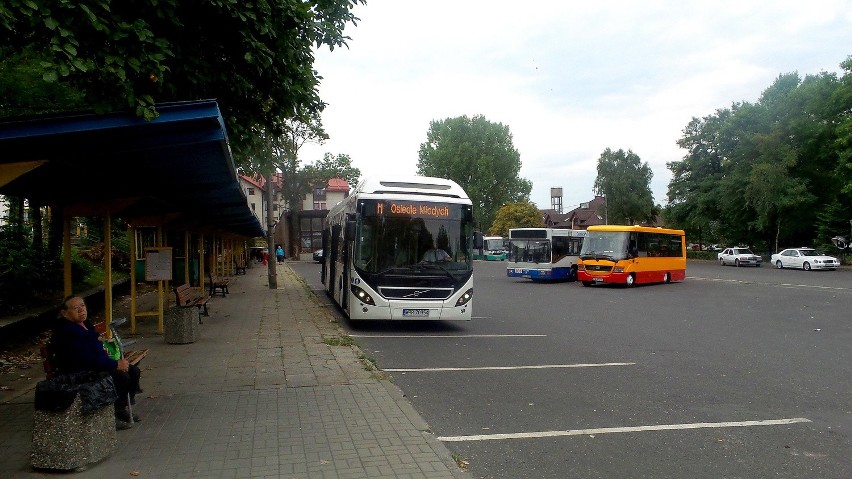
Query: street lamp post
<point x="270" y="234"/>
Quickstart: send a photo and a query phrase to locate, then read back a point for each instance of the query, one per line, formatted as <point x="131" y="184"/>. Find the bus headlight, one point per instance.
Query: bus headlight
<point x="581" y="267"/>
<point x="465" y="298"/>
<point x="618" y="269"/>
<point x="362" y="295"/>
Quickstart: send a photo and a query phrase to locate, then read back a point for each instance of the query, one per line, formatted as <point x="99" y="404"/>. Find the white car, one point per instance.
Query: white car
<point x="739" y="257"/>
<point x="804" y="258"/>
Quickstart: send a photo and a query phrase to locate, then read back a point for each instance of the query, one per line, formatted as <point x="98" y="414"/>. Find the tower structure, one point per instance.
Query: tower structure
<point x="556" y="199"/>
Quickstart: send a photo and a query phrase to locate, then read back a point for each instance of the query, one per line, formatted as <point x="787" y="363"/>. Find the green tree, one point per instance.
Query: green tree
<point x="23" y="92"/>
<point x="255" y="58"/>
<point x="478" y="155"/>
<point x="282" y="153"/>
<point x="626" y="183"/>
<point x="522" y="214"/>
<point x="757" y="172"/>
<point x="843" y="141"/>
<point x="693" y="202"/>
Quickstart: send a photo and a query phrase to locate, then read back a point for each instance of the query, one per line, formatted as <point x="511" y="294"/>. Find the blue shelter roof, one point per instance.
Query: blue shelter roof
<point x="177" y="167"/>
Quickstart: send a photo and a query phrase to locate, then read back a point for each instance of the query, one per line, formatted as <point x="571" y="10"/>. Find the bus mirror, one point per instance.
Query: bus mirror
<point x="478" y="242"/>
<point x="349" y="234"/>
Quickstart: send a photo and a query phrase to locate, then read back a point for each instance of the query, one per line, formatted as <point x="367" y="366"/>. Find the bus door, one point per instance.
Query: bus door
<point x="633" y="246"/>
<point x="332" y="260"/>
<point x="348" y="237"/>
<point x="326" y="250"/>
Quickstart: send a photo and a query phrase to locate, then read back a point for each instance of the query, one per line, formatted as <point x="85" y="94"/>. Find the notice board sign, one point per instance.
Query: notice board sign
<point x="158" y="264"/>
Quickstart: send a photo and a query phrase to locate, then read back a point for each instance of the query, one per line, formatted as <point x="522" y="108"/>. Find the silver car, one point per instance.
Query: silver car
<point x="739" y="257"/>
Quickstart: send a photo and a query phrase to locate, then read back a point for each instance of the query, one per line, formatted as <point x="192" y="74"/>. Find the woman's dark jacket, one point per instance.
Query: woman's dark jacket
<point x="76" y="349"/>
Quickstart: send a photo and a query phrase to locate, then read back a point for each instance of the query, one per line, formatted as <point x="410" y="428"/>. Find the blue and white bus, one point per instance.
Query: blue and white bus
<point x="401" y="249"/>
<point x="544" y="254"/>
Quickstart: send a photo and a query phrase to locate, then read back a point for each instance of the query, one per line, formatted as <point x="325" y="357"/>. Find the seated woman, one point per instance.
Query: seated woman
<point x="77" y="347"/>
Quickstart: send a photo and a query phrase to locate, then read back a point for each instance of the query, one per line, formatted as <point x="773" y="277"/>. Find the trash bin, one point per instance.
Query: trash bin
<point x="74" y="421"/>
<point x="181" y="325"/>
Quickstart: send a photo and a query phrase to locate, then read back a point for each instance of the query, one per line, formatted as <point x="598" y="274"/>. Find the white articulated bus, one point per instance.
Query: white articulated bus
<point x="401" y="249"/>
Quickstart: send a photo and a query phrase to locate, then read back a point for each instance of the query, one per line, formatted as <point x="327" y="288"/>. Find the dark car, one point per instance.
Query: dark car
<point x="318" y="256"/>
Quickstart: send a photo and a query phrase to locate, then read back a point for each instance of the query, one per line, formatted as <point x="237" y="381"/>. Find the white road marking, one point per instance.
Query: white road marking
<point x="782" y="285"/>
<point x="611" y="430"/>
<point x="420" y="336"/>
<point x="506" y="368"/>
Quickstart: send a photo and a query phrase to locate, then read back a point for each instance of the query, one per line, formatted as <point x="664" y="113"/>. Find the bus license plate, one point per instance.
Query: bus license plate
<point x="415" y="313"/>
<point x="597" y="280"/>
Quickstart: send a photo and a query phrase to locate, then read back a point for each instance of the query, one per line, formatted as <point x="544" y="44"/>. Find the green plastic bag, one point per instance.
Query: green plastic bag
<point x="111" y="347"/>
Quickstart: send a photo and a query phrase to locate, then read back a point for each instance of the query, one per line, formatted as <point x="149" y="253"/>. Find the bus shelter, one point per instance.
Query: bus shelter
<point x="171" y="174"/>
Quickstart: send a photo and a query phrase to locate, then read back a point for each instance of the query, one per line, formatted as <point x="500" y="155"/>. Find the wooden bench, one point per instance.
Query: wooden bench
<point x="218" y="284"/>
<point x="186" y="297"/>
<point x="240" y="267"/>
<point x="133" y="357"/>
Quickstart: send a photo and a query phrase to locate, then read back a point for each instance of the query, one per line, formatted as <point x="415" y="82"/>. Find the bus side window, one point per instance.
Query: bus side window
<point x="653" y="250"/>
<point x="560" y="248"/>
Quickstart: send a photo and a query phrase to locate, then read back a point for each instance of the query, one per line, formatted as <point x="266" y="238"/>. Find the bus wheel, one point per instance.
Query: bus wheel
<point x="667" y="278"/>
<point x="587" y="283"/>
<point x="630" y="281"/>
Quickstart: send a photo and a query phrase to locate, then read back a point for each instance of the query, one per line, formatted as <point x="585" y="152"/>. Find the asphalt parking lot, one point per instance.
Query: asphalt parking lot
<point x="735" y="372"/>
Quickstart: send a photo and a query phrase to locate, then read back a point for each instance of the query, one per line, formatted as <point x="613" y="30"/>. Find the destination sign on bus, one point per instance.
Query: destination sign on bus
<point x="414" y="209"/>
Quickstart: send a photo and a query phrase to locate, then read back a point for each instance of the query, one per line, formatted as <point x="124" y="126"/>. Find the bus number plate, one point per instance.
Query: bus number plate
<point x="415" y="313"/>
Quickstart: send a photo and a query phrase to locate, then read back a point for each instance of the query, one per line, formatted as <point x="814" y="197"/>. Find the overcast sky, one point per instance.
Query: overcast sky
<point x="568" y="78"/>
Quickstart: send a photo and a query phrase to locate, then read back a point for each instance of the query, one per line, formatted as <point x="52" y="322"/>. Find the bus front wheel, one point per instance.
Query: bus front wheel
<point x="667" y="278"/>
<point x="630" y="280"/>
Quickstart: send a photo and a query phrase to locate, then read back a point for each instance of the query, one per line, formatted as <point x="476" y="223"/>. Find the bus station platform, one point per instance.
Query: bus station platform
<point x="270" y="389"/>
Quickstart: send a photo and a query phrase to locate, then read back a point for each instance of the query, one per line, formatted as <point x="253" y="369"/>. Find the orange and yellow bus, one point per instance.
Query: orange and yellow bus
<point x="631" y="255"/>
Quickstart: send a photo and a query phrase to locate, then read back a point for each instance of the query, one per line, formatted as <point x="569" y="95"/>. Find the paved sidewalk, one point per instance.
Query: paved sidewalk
<point x="266" y="391"/>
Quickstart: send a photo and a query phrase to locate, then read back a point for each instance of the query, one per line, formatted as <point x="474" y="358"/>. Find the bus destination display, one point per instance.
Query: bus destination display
<point x="420" y="210"/>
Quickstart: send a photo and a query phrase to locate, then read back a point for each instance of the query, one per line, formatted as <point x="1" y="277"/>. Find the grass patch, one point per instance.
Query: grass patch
<point x="460" y="462"/>
<point x="370" y="365"/>
<point x="344" y="340"/>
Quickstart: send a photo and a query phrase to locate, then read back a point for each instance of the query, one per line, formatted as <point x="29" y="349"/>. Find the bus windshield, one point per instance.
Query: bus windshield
<point x="530" y="251"/>
<point x="611" y="245"/>
<point x="494" y="244"/>
<point x="404" y="236"/>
